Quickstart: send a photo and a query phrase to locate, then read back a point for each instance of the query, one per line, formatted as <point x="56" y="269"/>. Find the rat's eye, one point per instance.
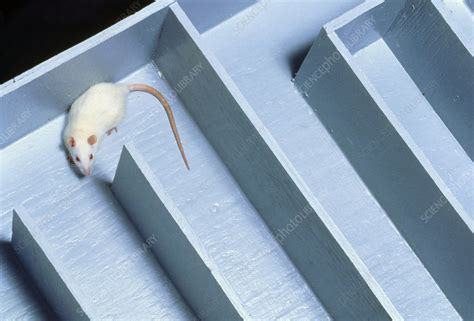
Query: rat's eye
<point x="91" y="156"/>
<point x="78" y="159"/>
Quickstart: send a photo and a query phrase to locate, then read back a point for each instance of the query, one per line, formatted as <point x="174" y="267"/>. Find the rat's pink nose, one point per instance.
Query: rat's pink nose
<point x="87" y="172"/>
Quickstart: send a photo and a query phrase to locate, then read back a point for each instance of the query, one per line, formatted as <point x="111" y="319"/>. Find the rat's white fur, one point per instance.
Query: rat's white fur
<point x="96" y="111"/>
<point x="99" y="110"/>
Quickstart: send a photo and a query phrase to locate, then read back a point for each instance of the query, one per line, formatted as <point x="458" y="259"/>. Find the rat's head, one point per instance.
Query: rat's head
<point x="82" y="151"/>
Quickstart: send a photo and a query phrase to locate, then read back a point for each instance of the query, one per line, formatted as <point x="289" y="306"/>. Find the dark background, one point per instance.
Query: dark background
<point x="31" y="31"/>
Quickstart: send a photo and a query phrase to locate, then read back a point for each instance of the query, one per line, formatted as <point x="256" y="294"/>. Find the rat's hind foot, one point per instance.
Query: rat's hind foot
<point x="109" y="132"/>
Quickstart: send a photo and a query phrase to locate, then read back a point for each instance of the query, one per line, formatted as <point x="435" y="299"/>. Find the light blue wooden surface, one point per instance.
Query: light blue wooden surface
<point x="206" y="14"/>
<point x="430" y="51"/>
<point x="317" y="248"/>
<point x="49" y="273"/>
<point x="266" y="84"/>
<point x="178" y="250"/>
<point x="419" y="202"/>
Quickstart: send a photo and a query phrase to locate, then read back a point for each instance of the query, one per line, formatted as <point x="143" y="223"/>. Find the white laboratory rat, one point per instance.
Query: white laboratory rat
<point x="98" y="111"/>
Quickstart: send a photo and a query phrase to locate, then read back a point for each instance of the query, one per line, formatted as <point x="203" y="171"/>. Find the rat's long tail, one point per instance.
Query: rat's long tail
<point x="169" y="112"/>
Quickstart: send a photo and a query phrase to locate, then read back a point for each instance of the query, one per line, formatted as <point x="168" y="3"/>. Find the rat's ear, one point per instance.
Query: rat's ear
<point x="71" y="141"/>
<point x="92" y="139"/>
